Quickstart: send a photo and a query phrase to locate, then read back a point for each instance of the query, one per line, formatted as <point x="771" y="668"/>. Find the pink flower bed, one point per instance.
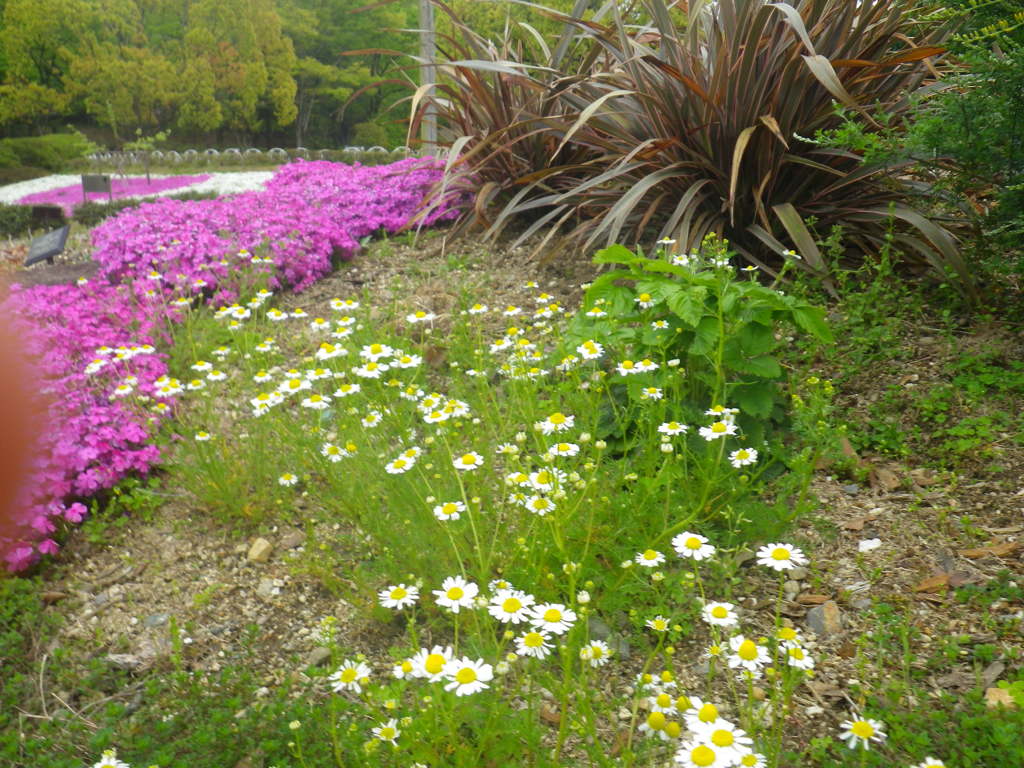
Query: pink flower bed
<point x="137" y="186"/>
<point x="308" y="213"/>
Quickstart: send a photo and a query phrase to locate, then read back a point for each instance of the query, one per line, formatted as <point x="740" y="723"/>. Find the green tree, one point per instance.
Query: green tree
<point x="246" y="58"/>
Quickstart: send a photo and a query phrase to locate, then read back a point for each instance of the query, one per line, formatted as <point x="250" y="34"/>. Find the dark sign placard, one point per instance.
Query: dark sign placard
<point x="96" y="183"/>
<point x="45" y="247"/>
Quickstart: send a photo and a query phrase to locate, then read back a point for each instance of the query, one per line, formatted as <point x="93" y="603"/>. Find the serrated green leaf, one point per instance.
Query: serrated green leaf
<point x="754" y="400"/>
<point x="812" y="320"/>
<point x="688" y="303"/>
<point x="615" y="254"/>
<point x="705" y="336"/>
<point x="756" y="339"/>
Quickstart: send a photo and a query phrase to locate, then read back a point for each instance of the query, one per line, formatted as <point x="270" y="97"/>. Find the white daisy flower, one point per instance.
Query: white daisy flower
<point x="556" y="422"/>
<point x="449" y="510"/>
<point x="717" y="430"/>
<point x="535" y="644"/>
<point x="673" y="428"/>
<point x="431" y="664"/>
<point x="590" y="350"/>
<point x="649" y="558"/>
<point x="510" y="605"/>
<point x="720" y="614"/>
<point x="743" y="457"/>
<point x="350" y="676"/>
<point x="860" y="732"/>
<point x="468" y="461"/>
<point x="596" y="652"/>
<point x="398" y="596"/>
<point x="467" y="677"/>
<point x="781" y="557"/>
<point x="456" y="593"/>
<point x="552" y="617"/>
<point x="692" y="545"/>
<point x="387" y="731"/>
<point x="747" y="654"/>
<point x="420" y="317"/>
<point x="288" y="479"/>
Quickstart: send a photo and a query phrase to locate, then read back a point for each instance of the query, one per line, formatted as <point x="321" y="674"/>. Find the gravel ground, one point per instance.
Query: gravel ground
<point x="220" y="183"/>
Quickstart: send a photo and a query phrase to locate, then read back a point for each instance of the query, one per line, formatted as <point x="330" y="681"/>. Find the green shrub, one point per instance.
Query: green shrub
<point x="52" y="152"/>
<point x="370" y="135"/>
<point x="20" y="173"/>
<point x="708" y="129"/>
<point x="973" y="128"/>
<point x="15" y="220"/>
<point x="92" y="213"/>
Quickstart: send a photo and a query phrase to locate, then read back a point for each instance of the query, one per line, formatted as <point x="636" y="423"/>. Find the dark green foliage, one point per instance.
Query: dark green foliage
<point x="15" y="220"/>
<point x="92" y="213"/>
<point x="53" y="152"/>
<point x="683" y="132"/>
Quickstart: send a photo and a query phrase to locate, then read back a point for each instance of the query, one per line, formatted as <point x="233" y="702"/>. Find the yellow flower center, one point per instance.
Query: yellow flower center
<point x="466" y="675"/>
<point x="376" y="349"/>
<point x="597" y="651"/>
<point x="747" y="650"/>
<point x="407" y="666"/>
<point x="434" y="663"/>
<point x="666" y="676"/>
<point x="862" y="729"/>
<point x="627" y="364"/>
<point x="543" y="478"/>
<point x="533" y="640"/>
<point x="644" y="297"/>
<point x="449" y="508"/>
<point x="348" y="675"/>
<point x="702" y="756"/>
<point x="659" y="624"/>
<point x="742" y="454"/>
<point x="557" y="418"/>
<point x="398" y="593"/>
<point x="708" y="713"/>
<point x="683" y="703"/>
<point x="650" y="554"/>
<point x="656" y="720"/>
<point x="673" y="729"/>
<point x="718" y="427"/>
<point x="719" y="612"/>
<point x="786" y="633"/>
<point x="664" y="700"/>
<point x="563" y="447"/>
<point x="796" y="653"/>
<point x="780" y="553"/>
<point x="387" y="733"/>
<point x="399" y="463"/>
<point x="722" y="738"/>
<point x="468" y="459"/>
<point x="455" y="593"/>
<point x="552" y="614"/>
<point x="511" y="605"/>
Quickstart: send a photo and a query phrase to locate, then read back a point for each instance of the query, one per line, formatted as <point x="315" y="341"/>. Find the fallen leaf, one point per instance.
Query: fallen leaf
<point x="811" y="599"/>
<point x="1007" y="529"/>
<point x="999" y="549"/>
<point x="550" y="715"/>
<point x="937" y="583"/>
<point x="999" y="697"/>
<point x="52" y="597"/>
<point x="992" y="673"/>
<point x="960" y="578"/>
<point x="847" y="448"/>
<point x="884" y="478"/>
<point x="847" y="650"/>
<point x="857" y="523"/>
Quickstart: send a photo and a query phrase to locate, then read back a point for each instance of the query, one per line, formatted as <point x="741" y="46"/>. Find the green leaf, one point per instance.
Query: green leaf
<point x="705" y="336"/>
<point x="616" y="254"/>
<point x="688" y="304"/>
<point x="755" y="400"/>
<point x="756" y="339"/>
<point x="812" y="320"/>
